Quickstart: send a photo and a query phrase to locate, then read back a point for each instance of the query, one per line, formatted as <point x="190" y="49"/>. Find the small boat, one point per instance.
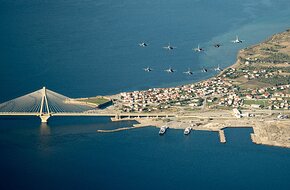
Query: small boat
<point x="187" y="130"/>
<point x="163" y="130"/>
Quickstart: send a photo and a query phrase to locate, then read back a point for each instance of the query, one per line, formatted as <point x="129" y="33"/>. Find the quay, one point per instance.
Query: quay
<point x="222" y="136"/>
<point x="119" y="129"/>
<point x="45" y="103"/>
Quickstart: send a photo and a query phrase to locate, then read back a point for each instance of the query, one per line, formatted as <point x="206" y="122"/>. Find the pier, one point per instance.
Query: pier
<point x="119" y="129"/>
<point x="222" y="136"/>
<point x="45" y="104"/>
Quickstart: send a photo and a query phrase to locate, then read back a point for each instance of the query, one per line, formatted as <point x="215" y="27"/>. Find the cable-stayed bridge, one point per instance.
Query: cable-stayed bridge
<point x="45" y="103"/>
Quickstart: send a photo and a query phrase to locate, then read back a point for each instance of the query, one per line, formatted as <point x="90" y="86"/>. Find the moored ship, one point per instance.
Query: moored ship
<point x="187" y="130"/>
<point x="163" y="130"/>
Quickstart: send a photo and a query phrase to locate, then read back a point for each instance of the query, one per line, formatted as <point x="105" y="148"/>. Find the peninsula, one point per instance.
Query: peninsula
<point x="254" y="92"/>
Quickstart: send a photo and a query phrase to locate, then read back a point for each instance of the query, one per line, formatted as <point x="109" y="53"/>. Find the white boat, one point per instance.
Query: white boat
<point x="163" y="130"/>
<point x="187" y="130"/>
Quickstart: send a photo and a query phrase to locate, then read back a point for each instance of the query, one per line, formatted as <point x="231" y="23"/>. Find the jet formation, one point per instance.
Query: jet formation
<point x="197" y="49"/>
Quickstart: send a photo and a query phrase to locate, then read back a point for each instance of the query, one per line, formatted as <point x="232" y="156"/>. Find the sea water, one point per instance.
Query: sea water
<point x="83" y="48"/>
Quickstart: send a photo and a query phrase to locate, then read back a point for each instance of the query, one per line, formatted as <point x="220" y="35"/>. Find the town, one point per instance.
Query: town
<point x="217" y="92"/>
<point x="259" y="80"/>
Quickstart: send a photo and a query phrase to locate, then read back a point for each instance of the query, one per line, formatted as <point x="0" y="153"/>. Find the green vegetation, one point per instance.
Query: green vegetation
<point x="213" y="102"/>
<point x="258" y="102"/>
<point x="96" y="100"/>
<point x="271" y="49"/>
<point x="277" y="58"/>
<point x="276" y="80"/>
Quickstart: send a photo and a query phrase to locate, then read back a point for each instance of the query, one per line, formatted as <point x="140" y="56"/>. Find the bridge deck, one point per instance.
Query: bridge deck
<point x="87" y="114"/>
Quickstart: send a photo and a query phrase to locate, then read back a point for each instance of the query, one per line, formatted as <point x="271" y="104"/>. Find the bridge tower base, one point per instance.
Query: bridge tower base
<point x="44" y="118"/>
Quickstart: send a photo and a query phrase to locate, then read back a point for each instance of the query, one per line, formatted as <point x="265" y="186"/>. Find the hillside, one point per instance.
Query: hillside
<point x="264" y="64"/>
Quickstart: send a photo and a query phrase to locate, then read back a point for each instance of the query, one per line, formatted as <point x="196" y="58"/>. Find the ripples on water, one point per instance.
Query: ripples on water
<point x="84" y="48"/>
<point x="68" y="153"/>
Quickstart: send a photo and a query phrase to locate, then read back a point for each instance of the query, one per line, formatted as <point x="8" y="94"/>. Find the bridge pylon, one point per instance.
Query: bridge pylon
<point x="42" y="103"/>
<point x="44" y="112"/>
<point x="44" y="118"/>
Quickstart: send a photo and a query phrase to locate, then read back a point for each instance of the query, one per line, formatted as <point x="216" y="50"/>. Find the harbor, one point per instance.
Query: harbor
<point x="140" y="95"/>
<point x="162" y="131"/>
<point x="263" y="129"/>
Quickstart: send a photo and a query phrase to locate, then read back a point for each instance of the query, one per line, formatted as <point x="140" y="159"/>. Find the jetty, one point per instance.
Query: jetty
<point x="222" y="136"/>
<point x="120" y="129"/>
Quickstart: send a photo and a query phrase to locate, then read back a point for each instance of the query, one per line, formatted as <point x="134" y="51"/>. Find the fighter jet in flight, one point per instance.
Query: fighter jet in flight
<point x="169" y="70"/>
<point x="169" y="47"/>
<point x="188" y="72"/>
<point x="198" y="49"/>
<point x="218" y="68"/>
<point x="237" y="40"/>
<point x="147" y="69"/>
<point x="143" y="44"/>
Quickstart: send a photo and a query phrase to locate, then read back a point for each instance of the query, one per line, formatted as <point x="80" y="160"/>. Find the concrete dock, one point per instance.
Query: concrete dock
<point x="119" y="129"/>
<point x="265" y="131"/>
<point x="222" y="136"/>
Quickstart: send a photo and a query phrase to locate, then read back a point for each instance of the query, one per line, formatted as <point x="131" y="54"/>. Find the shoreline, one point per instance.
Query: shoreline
<point x="267" y="129"/>
<point x="235" y="64"/>
<point x="259" y="135"/>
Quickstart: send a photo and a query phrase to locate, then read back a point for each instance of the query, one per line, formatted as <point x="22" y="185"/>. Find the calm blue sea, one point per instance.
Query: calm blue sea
<point x="83" y="48"/>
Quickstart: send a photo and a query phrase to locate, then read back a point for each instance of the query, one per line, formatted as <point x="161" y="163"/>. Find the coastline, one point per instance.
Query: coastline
<point x="267" y="130"/>
<point x="237" y="63"/>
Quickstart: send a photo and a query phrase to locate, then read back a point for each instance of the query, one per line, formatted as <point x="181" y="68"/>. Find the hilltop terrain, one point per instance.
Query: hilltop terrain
<point x="263" y="65"/>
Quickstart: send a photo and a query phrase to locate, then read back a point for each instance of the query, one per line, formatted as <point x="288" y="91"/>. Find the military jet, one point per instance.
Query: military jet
<point x="188" y="72"/>
<point x="217" y="45"/>
<point x="169" y="47"/>
<point x="147" y="69"/>
<point x="143" y="44"/>
<point x="198" y="49"/>
<point x="169" y="70"/>
<point x="237" y="40"/>
<point x="218" y="68"/>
